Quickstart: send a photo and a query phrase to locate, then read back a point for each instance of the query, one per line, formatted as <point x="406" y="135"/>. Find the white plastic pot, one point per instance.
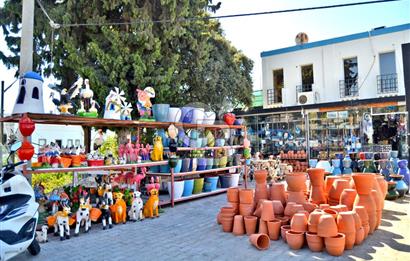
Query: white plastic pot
<point x="198" y="116"/>
<point x="174" y="114"/>
<point x="209" y="117"/>
<point x="178" y="189"/>
<point x="235" y="180"/>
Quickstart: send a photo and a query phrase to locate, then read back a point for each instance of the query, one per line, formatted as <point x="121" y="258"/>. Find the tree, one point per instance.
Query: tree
<point x="184" y="60"/>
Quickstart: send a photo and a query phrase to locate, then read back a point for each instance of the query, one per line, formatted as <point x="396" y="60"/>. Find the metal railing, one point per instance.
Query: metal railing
<point x="304" y="87"/>
<point x="271" y="97"/>
<point x="348" y="88"/>
<point x="387" y="83"/>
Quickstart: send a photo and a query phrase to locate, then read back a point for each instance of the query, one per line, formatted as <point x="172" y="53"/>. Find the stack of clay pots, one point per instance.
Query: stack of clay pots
<point x="261" y="190"/>
<point x="339" y="213"/>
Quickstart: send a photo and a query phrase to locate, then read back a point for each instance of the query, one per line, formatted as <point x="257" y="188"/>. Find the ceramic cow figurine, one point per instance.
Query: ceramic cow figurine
<point x="105" y="215"/>
<point x="135" y="213"/>
<point x="108" y="194"/>
<point x="83" y="216"/>
<point x="61" y="226"/>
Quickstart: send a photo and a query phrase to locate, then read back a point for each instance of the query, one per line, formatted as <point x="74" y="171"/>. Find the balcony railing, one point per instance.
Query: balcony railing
<point x="304" y="88"/>
<point x="387" y="83"/>
<point x="271" y="97"/>
<point x="348" y="88"/>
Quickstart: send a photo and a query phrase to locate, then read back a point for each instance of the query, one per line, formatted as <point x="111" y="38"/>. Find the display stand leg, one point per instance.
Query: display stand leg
<point x="172" y="187"/>
<point x="87" y="139"/>
<point x="245" y="175"/>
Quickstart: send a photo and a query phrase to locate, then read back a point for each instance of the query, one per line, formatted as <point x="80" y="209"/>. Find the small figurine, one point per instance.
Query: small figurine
<point x="83" y="216"/>
<point x="119" y="209"/>
<point x="64" y="104"/>
<point x="157" y="152"/>
<point x="126" y="110"/>
<point x="113" y="104"/>
<point x="144" y="103"/>
<point x="93" y="112"/>
<point x="135" y="213"/>
<point x="87" y="94"/>
<point x="61" y="226"/>
<point x="41" y="237"/>
<point x="108" y="194"/>
<point x="151" y="206"/>
<point x="105" y="215"/>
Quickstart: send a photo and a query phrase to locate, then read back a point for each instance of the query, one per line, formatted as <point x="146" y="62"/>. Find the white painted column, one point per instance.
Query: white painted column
<point x="26" y="46"/>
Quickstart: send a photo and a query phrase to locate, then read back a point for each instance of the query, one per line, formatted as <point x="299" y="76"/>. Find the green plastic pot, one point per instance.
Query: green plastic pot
<point x="223" y="161"/>
<point x="198" y="185"/>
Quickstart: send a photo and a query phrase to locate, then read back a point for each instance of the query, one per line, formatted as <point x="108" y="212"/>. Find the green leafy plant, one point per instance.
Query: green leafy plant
<point x="110" y="144"/>
<point x="51" y="181"/>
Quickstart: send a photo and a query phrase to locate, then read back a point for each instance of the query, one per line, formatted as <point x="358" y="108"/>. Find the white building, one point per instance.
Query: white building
<point x="315" y="95"/>
<point x="318" y="68"/>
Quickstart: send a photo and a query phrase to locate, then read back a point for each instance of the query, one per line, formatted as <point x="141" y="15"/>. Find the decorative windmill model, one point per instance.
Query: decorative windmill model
<point x="114" y="103"/>
<point x="126" y="110"/>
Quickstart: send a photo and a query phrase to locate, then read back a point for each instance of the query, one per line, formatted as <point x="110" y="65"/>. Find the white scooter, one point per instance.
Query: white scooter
<point x="18" y="212"/>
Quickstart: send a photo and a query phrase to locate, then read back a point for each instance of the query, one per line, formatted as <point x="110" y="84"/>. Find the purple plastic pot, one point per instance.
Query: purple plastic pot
<point x="201" y="164"/>
<point x="187" y="114"/>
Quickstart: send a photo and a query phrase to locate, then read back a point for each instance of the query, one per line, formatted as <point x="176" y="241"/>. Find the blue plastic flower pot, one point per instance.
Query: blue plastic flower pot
<point x="193" y="134"/>
<point x="207" y="187"/>
<point x="188" y="187"/>
<point x="213" y="181"/>
<point x="185" y="165"/>
<point x="201" y="164"/>
<point x="220" y="142"/>
<point x="160" y="112"/>
<point x="225" y="181"/>
<point x="164" y="168"/>
<point x="154" y="169"/>
<point x="209" y="163"/>
<point x="187" y="114"/>
<point x="178" y="167"/>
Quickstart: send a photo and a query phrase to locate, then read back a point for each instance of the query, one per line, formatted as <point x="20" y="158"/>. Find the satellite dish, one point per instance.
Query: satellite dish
<point x="301" y="38"/>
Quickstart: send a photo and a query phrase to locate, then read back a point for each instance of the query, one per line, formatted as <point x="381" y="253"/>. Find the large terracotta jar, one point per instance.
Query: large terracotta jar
<point x="277" y="192"/>
<point x="298" y="223"/>
<point x="317" y="193"/>
<point x="329" y="183"/>
<point x="261" y="190"/>
<point x="364" y="218"/>
<point x="327" y="226"/>
<point x="296" y="181"/>
<point x="298" y="197"/>
<point x="347" y="198"/>
<point x="337" y="188"/>
<point x="375" y="195"/>
<point x="364" y="184"/>
<point x="260" y="176"/>
<point x="346" y="225"/>
<point x="335" y="246"/>
<point x="314" y="241"/>
<point x="313" y="220"/>
<point x="383" y="187"/>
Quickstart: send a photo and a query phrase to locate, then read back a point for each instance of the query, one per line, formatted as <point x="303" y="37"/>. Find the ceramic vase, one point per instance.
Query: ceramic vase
<point x="160" y="112"/>
<point x="336" y="167"/>
<point x="174" y="114"/>
<point x="317" y="193"/>
<point x="364" y="184"/>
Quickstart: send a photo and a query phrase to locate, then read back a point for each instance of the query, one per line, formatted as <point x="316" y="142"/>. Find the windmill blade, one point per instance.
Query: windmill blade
<point x="74" y="90"/>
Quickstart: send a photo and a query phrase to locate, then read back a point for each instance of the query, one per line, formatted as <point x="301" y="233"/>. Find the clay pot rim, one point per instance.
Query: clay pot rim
<point x="275" y="220"/>
<point x="291" y="232"/>
<point x="332" y="211"/>
<point x="339" y="235"/>
<point x="296" y="173"/>
<point x="285" y="227"/>
<point x="311" y="234"/>
<point x="250" y="217"/>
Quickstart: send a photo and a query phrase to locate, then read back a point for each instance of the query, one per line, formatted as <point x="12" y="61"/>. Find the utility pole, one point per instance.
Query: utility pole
<point x="27" y="28"/>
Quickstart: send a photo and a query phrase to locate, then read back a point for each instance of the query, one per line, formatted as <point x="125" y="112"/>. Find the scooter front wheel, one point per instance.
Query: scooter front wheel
<point x="34" y="248"/>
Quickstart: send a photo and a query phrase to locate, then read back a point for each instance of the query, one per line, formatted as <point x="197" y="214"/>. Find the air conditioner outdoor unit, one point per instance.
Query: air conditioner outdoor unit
<point x="306" y="98"/>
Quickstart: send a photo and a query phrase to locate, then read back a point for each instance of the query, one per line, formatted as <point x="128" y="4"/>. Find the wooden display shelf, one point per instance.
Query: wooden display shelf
<point x="210" y="148"/>
<point x="194" y="196"/>
<point x="86" y="169"/>
<point x="41" y="118"/>
<point x="287" y="158"/>
<point x="190" y="173"/>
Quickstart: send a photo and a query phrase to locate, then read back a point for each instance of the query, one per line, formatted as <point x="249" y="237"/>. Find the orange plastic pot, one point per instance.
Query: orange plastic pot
<point x="238" y="226"/>
<point x="277" y="192"/>
<point x="233" y="195"/>
<point x="274" y="229"/>
<point x="347" y="198"/>
<point x="298" y="223"/>
<point x="250" y="224"/>
<point x="335" y="246"/>
<point x="314" y="242"/>
<point x="327" y="226"/>
<point x="51" y="220"/>
<point x="65" y="162"/>
<point x="296" y="181"/>
<point x="295" y="239"/>
<point x="246" y="196"/>
<point x="95" y="214"/>
<point x="283" y="230"/>
<point x="260" y="241"/>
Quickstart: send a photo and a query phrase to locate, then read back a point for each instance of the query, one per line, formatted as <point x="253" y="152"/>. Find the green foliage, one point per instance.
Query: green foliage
<point x="185" y="61"/>
<point x="51" y="181"/>
<point x="110" y="144"/>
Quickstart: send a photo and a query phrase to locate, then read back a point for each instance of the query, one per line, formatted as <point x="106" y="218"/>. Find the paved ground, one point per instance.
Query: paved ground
<point x="189" y="232"/>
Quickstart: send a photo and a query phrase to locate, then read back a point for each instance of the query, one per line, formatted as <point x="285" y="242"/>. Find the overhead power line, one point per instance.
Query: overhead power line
<point x="188" y="19"/>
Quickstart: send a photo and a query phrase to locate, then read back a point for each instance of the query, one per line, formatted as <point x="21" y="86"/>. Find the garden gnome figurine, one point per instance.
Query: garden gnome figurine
<point x="144" y="102"/>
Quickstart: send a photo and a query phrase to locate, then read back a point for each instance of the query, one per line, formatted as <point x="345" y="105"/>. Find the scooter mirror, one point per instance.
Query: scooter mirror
<point x="15" y="146"/>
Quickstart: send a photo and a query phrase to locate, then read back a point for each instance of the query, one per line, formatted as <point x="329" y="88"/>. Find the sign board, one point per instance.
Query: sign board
<point x="337" y="114"/>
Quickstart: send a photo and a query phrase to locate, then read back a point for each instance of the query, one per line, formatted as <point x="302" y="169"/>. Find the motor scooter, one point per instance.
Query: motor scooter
<point x="18" y="211"/>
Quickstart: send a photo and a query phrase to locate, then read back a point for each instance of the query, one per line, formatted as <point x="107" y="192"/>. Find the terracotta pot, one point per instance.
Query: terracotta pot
<point x="288" y="208"/>
<point x="309" y="207"/>
<point x="314" y="241"/>
<point x="298" y="223"/>
<point x="317" y="192"/>
<point x="277" y="192"/>
<point x="337" y="188"/>
<point x="235" y="206"/>
<point x="228" y="210"/>
<point x="347" y="198"/>
<point x="346" y="225"/>
<point x="227" y="224"/>
<point x="278" y="207"/>
<point x="295" y="239"/>
<point x="331" y="212"/>
<point x="218" y="218"/>
<point x="339" y="208"/>
<point x="291" y="209"/>
<point x="238" y="226"/>
<point x="329" y="183"/>
<point x="296" y="181"/>
<point x="267" y="211"/>
<point x="258" y="208"/>
<point x="246" y="209"/>
<point x="366" y="200"/>
<point x="313" y="220"/>
<point x="324" y="206"/>
<point x="260" y="176"/>
<point x="250" y="224"/>
<point x="335" y="245"/>
<point x="263" y="227"/>
<point x="246" y="196"/>
<point x="284" y="220"/>
<point x="363" y="182"/>
<point x="95" y="214"/>
<point x="283" y="230"/>
<point x="304" y="212"/>
<point x="364" y="218"/>
<point x="274" y="229"/>
<point x="297" y="197"/>
<point x="260" y="241"/>
<point x="383" y="187"/>
<point x="359" y="236"/>
<point x="327" y="226"/>
<point x="232" y="195"/>
<point x="375" y="195"/>
<point x="261" y="192"/>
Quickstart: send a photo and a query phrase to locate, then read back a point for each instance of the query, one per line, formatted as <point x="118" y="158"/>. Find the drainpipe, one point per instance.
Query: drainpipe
<point x="406" y="75"/>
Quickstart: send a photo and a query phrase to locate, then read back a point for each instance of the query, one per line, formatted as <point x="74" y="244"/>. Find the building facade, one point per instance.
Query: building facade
<point x="335" y="95"/>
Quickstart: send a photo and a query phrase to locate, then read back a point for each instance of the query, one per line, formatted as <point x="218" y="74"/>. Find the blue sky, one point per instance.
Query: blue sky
<point x="255" y="34"/>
